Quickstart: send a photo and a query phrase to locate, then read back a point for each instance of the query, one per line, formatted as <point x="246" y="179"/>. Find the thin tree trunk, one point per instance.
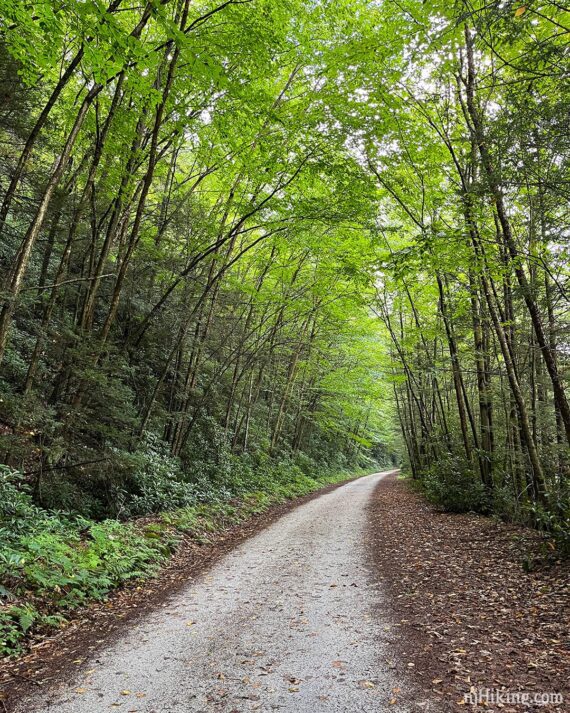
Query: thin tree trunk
<point x="549" y="359"/>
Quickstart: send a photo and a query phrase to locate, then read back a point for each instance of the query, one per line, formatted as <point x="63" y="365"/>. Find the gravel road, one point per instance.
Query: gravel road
<point x="288" y="621"/>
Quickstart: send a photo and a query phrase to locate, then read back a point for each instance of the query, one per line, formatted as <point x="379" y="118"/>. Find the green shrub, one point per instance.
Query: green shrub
<point x="555" y="524"/>
<point x="53" y="561"/>
<point x="156" y="482"/>
<point x="16" y="621"/>
<point x="452" y="485"/>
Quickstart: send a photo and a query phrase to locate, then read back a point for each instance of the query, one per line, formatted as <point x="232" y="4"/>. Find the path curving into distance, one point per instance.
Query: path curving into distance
<point x="290" y="620"/>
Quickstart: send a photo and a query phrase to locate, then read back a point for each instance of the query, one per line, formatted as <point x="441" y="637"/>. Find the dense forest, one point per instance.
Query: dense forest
<point x="187" y="268"/>
<point x="250" y="243"/>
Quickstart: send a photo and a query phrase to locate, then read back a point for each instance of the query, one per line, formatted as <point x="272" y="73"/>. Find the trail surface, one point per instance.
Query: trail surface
<point x="288" y="621"/>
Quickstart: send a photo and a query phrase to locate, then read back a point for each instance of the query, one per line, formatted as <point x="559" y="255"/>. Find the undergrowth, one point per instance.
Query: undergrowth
<point x="452" y="486"/>
<point x="52" y="562"/>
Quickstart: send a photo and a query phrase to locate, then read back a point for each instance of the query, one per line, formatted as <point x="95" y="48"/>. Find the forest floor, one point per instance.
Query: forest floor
<point x="470" y="615"/>
<point x="361" y="597"/>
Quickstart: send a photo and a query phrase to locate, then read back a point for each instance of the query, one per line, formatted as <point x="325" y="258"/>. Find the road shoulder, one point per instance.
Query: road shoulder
<point x="468" y="614"/>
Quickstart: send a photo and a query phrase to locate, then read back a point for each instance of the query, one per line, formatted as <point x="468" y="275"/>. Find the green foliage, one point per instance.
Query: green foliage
<point x="156" y="482"/>
<point x="14" y="623"/>
<point x="53" y="562"/>
<point x="17" y="621"/>
<point x="451" y="484"/>
<point x="556" y="525"/>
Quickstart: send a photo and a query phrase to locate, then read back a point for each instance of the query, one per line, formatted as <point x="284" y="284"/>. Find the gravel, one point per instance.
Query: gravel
<point x="288" y="621"/>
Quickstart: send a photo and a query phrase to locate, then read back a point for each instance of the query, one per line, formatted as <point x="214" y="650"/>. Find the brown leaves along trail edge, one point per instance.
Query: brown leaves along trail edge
<point x="468" y="614"/>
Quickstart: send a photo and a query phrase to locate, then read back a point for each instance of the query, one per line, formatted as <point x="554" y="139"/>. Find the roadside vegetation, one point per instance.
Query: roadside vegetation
<point x="52" y="562"/>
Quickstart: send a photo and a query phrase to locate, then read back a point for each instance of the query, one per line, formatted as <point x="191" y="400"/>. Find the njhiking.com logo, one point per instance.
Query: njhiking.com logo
<point x="493" y="696"/>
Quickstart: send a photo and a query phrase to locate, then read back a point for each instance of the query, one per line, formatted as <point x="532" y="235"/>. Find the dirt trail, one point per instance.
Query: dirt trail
<point x="287" y="621"/>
